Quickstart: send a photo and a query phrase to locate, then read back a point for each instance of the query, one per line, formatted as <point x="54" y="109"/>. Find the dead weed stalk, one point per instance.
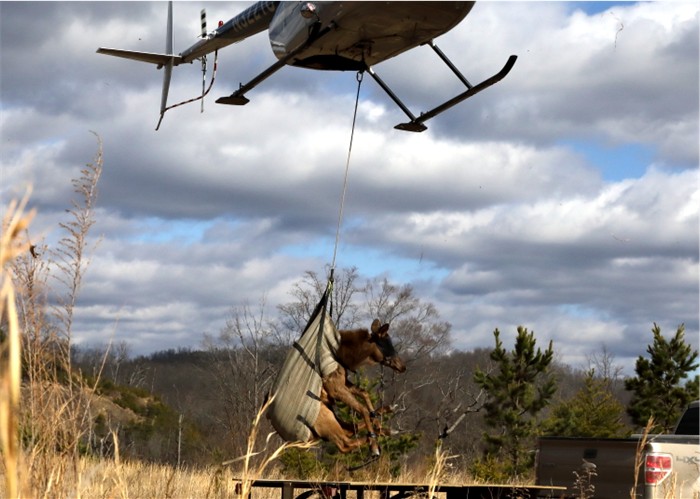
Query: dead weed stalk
<point x="639" y="455"/>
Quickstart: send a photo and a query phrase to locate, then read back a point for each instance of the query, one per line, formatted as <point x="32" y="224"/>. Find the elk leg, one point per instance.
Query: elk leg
<point x="334" y="384"/>
<point x="328" y="428"/>
<point x="353" y="428"/>
<point x="359" y="392"/>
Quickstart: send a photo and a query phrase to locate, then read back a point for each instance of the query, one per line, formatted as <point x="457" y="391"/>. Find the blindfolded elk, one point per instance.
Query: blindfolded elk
<point x="357" y="347"/>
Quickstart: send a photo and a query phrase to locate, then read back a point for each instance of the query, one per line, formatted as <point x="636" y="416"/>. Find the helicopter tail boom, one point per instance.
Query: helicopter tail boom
<point x="150" y="57"/>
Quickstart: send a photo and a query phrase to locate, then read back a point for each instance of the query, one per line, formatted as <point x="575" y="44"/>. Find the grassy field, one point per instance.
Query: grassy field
<point x="114" y="479"/>
<point x="105" y="479"/>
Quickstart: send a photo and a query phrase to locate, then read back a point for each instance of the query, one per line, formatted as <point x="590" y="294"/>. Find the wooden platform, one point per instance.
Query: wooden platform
<point x="303" y="489"/>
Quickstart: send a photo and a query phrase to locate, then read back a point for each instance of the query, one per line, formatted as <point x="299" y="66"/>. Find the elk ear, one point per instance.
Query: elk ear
<point x="383" y="331"/>
<point x="375" y="326"/>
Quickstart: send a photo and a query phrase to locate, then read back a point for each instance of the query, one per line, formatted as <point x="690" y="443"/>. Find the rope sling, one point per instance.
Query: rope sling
<point x="297" y="389"/>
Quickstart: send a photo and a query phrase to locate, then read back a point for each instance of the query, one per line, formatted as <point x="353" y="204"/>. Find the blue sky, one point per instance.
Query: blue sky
<point x="564" y="199"/>
<point x="597" y="7"/>
<point x="615" y="162"/>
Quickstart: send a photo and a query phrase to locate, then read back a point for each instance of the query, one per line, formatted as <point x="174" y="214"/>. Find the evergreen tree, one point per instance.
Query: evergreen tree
<point x="658" y="389"/>
<point x="518" y="389"/>
<point x="593" y="411"/>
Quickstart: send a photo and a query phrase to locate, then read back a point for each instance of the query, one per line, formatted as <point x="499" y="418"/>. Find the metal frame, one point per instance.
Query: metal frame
<point x="339" y="490"/>
<point x="416" y="124"/>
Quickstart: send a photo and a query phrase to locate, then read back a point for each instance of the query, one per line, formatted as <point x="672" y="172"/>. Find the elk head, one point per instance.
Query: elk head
<point x="385" y="353"/>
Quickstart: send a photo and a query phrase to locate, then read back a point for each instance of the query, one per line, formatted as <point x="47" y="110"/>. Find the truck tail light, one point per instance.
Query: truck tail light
<point x="657" y="467"/>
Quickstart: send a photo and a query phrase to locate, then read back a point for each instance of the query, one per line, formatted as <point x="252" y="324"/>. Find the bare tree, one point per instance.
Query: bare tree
<point x="242" y="370"/>
<point x="121" y="353"/>
<point x="308" y="292"/>
<point x="415" y="324"/>
<point x="603" y="364"/>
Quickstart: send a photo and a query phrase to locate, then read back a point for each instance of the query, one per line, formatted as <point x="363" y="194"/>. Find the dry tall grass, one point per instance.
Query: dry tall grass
<point x="639" y="456"/>
<point x="44" y="406"/>
<point x="13" y="243"/>
<point x="435" y="477"/>
<point x="250" y="471"/>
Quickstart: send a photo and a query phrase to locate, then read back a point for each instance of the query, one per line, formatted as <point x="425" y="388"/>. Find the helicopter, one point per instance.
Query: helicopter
<point x="333" y="36"/>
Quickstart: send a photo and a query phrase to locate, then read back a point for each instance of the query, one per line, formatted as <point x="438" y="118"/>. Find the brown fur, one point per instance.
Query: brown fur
<point x="357" y="347"/>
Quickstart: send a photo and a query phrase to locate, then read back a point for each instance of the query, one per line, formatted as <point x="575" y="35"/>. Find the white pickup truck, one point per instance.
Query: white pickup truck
<point x="670" y="464"/>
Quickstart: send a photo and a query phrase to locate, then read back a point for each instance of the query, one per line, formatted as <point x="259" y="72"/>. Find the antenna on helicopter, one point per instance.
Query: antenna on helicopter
<point x="203" y="18"/>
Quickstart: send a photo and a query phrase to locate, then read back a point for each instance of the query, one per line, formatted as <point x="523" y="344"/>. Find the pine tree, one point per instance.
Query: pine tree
<point x="593" y="411"/>
<point x="516" y="392"/>
<point x="658" y="389"/>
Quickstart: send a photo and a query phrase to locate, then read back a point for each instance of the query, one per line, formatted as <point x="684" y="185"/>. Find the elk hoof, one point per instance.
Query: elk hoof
<point x="373" y="444"/>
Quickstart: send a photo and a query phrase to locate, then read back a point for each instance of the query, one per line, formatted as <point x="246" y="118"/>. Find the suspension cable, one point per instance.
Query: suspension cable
<point x="347" y="167"/>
